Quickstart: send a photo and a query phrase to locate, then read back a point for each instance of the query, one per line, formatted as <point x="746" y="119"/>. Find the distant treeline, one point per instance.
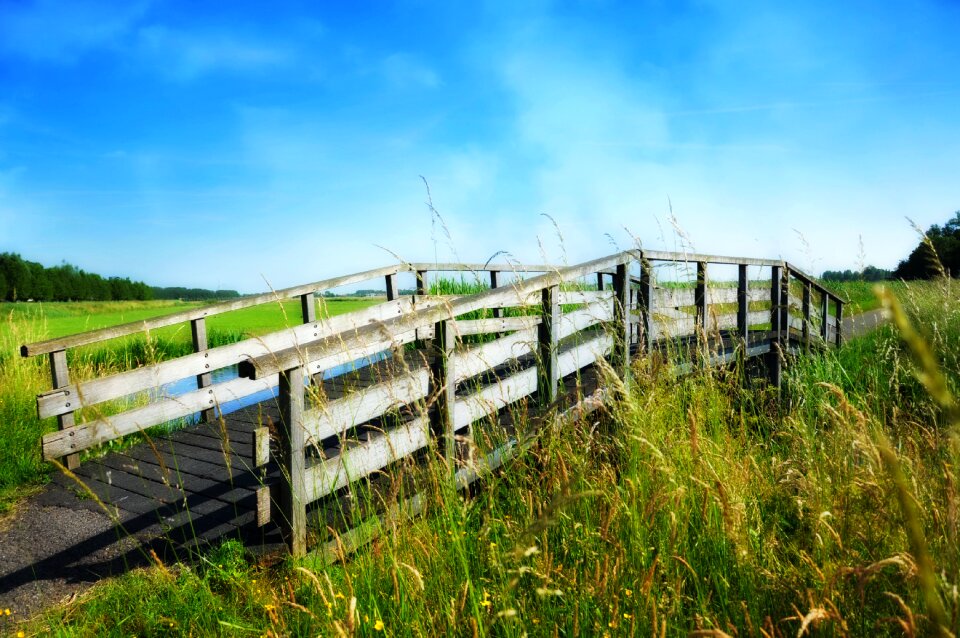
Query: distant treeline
<point x="870" y="273"/>
<point x="22" y="280"/>
<point x="192" y="294"/>
<point x="936" y="254"/>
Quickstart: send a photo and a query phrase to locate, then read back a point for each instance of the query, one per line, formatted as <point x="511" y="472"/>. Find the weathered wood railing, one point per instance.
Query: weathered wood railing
<point x="542" y="329"/>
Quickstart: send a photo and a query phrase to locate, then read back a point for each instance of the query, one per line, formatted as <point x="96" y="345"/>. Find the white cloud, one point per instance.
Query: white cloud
<point x="60" y="30"/>
<point x="183" y="55"/>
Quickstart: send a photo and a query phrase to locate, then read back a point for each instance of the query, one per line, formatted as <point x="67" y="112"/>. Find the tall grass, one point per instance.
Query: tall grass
<point x="691" y="507"/>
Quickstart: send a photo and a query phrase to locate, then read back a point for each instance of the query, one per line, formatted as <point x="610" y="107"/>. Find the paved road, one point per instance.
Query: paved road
<point x="861" y="324"/>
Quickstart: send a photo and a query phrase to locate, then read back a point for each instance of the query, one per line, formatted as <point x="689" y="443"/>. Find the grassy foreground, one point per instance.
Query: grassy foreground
<point x="693" y="507"/>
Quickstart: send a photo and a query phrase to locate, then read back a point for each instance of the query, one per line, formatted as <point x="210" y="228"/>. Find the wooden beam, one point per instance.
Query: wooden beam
<point x="824" y="314"/>
<point x="421" y="282"/>
<point x="308" y="307"/>
<point x="743" y="306"/>
<point x="647" y="306"/>
<point x="547" y="338"/>
<point x="839" y="326"/>
<point x="773" y="357"/>
<point x="443" y="389"/>
<point x="60" y="376"/>
<point x="805" y="307"/>
<point x="391" y="283"/>
<point x="198" y="333"/>
<point x="621" y="325"/>
<point x="293" y="467"/>
<point x="112" y="332"/>
<point x="495" y="283"/>
<point x="700" y="296"/>
<point x="599" y="281"/>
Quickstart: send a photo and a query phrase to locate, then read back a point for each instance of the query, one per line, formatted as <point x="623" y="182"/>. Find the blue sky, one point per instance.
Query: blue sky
<point x="232" y="144"/>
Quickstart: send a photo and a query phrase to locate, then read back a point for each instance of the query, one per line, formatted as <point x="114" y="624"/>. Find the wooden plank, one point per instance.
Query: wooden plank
<point x="660" y="255"/>
<point x="547" y="338"/>
<point x="390" y="281"/>
<point x="355" y="463"/>
<point x="425" y="317"/>
<point x="584" y="354"/>
<point x="134" y="327"/>
<point x="261" y="446"/>
<point x="621" y="328"/>
<point x="743" y="306"/>
<point x="824" y="315"/>
<point x="60" y="377"/>
<point x="495" y="283"/>
<point x="464" y="327"/>
<point x="362" y="406"/>
<point x="92" y="433"/>
<point x="674" y="297"/>
<point x="806" y="316"/>
<point x="308" y="308"/>
<point x="198" y="334"/>
<point x="443" y="389"/>
<point x="838" y="323"/>
<point x="700" y="295"/>
<point x="646" y="302"/>
<point x="421" y="282"/>
<point x="149" y="377"/>
<point x="293" y="495"/>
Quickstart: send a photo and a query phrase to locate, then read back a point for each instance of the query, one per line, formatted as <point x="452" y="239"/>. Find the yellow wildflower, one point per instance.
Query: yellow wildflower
<point x="20" y="634"/>
<point x="340" y="596"/>
<point x="378" y="626"/>
<point x="6" y="612"/>
<point x="486" y="600"/>
<point x="628" y="592"/>
<point x="627" y="616"/>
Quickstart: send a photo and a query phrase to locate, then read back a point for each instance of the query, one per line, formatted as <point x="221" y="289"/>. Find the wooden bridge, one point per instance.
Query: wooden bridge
<point x="355" y="396"/>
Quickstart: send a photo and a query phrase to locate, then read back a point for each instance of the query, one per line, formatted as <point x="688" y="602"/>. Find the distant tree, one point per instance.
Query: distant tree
<point x="24" y="280"/>
<point x="870" y="273"/>
<point x="937" y="253"/>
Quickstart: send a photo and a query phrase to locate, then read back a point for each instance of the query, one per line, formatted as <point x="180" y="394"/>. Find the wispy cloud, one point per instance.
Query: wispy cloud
<point x="402" y="70"/>
<point x="186" y="55"/>
<point x="60" y="30"/>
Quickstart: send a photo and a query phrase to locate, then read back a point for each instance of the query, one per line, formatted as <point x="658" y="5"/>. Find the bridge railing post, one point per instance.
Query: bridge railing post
<point x="547" y="338"/>
<point x="776" y="334"/>
<point x="198" y="333"/>
<point x="621" y="325"/>
<point x="839" y="317"/>
<point x="60" y="376"/>
<point x="443" y="389"/>
<point x="824" y="314"/>
<point x="600" y="281"/>
<point x="391" y="285"/>
<point x="292" y="443"/>
<point x="645" y="300"/>
<point x="806" y="316"/>
<point x="495" y="283"/>
<point x="743" y="317"/>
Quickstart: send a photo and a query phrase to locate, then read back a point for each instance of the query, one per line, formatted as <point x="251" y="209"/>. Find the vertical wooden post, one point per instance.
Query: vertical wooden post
<point x="444" y="389"/>
<point x="547" y="333"/>
<point x="292" y="438"/>
<point x="61" y="378"/>
<point x="599" y="281"/>
<point x="391" y="282"/>
<point x="308" y="308"/>
<point x="806" y="316"/>
<point x="198" y="332"/>
<point x="824" y="313"/>
<point x="839" y="316"/>
<point x="421" y="282"/>
<point x="621" y="323"/>
<point x="495" y="283"/>
<point x="700" y="296"/>
<point x="773" y="357"/>
<point x="785" y="308"/>
<point x="645" y="298"/>
<point x="743" y="307"/>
